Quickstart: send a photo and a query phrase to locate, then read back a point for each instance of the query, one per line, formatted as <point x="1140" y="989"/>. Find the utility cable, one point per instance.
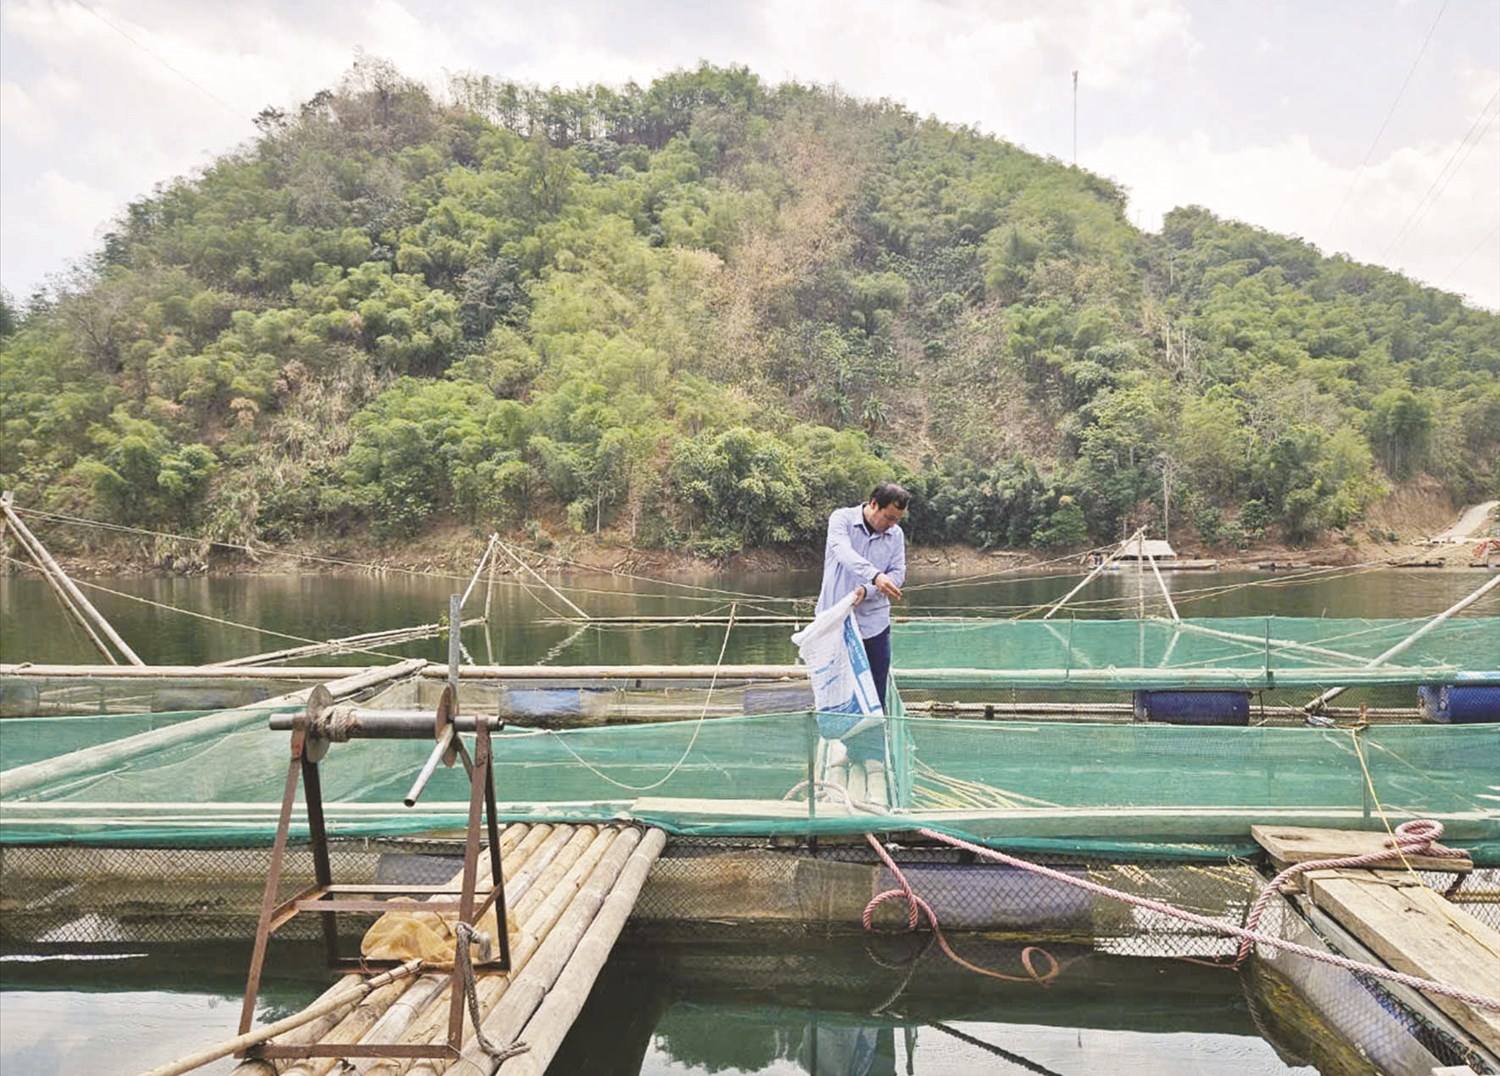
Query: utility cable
<point x="1354" y="182"/>
<point x="1439" y="178"/>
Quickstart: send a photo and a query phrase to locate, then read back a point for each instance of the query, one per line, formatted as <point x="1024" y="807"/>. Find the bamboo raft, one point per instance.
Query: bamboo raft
<point x="571" y="889"/>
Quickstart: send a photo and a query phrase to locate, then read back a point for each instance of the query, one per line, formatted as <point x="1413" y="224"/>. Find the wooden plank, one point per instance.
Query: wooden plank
<point x="1299" y="844"/>
<point x="1414" y="930"/>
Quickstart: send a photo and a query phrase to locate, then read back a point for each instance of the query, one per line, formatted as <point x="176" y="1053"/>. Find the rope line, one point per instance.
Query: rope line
<point x="1419" y="836"/>
<point x="915" y="903"/>
<point x="1480" y="1001"/>
<point x="203" y="616"/>
<point x="697" y="728"/>
<point x="467" y="934"/>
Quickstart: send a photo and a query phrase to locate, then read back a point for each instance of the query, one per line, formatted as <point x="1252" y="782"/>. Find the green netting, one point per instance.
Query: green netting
<point x="24" y="740"/>
<point x="1121" y="787"/>
<point x="1239" y="652"/>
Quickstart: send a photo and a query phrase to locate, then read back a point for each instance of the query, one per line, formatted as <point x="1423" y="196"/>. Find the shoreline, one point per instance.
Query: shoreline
<point x="457" y="551"/>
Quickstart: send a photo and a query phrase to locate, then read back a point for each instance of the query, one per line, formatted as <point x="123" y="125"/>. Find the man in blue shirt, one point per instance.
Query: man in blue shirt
<point x="866" y="553"/>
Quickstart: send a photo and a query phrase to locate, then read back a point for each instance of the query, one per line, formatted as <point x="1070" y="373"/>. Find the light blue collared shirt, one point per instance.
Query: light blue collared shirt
<point x="853" y="557"/>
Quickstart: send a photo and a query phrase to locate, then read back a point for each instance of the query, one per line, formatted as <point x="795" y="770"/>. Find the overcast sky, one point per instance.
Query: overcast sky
<point x="1370" y="127"/>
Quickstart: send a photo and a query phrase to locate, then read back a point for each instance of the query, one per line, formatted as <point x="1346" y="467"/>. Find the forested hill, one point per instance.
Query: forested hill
<point x="701" y="314"/>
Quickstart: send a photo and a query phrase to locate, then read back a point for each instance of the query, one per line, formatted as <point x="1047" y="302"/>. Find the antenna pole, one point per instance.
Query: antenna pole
<point x="1075" y="118"/>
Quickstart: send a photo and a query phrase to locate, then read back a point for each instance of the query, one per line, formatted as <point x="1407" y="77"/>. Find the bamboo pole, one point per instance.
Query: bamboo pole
<point x="431" y="1025"/>
<point x="512" y="839"/>
<point x="104" y="756"/>
<point x="364" y="1022"/>
<point x="506" y="1020"/>
<point x="424" y="1016"/>
<point x="370" y="638"/>
<point x="67" y="604"/>
<point x="44" y="558"/>
<point x="549" y="1026"/>
<point x="528" y="568"/>
<point x="434" y="672"/>
<point x="539" y="912"/>
<point x="1484" y="588"/>
<point x="1101" y="566"/>
<point x="1162" y="583"/>
<point x="488" y="550"/>
<point x="341" y="998"/>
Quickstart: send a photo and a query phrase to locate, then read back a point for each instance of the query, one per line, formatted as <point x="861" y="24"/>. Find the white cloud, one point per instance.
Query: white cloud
<point x="20" y="114"/>
<point x="107" y="100"/>
<point x="57" y="214"/>
<point x="1289" y="187"/>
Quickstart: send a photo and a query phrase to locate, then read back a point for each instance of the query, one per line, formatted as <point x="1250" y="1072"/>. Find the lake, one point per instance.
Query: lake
<point x="663" y="1005"/>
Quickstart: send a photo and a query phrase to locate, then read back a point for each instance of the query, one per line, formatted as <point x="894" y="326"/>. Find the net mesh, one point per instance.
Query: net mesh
<point x="1248" y="652"/>
<point x="1079" y="786"/>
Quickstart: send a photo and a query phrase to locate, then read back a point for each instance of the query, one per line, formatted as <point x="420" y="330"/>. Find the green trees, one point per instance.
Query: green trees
<point x="707" y="311"/>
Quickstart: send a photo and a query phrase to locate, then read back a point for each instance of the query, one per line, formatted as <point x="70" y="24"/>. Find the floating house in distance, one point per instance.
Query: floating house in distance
<point x="1140" y="548"/>
<point x="1136" y="549"/>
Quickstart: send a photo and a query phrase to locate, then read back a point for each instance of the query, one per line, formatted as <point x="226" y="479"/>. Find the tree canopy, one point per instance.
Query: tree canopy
<point x="701" y="314"/>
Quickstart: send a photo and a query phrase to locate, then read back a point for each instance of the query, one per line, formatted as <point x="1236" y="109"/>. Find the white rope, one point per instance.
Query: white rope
<point x="697" y="728"/>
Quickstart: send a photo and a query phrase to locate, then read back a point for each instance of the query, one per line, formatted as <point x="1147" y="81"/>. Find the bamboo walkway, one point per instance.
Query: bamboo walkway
<point x="570" y="890"/>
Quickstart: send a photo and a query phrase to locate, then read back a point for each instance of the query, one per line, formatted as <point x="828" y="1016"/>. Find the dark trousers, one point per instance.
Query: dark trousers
<point x="878" y="649"/>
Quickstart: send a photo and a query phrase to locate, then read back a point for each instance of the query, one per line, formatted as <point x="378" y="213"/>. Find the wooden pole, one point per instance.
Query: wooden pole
<point x="44" y="558"/>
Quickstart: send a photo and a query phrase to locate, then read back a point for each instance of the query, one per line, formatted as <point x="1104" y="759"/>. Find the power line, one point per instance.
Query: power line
<point x="238" y="113"/>
<point x="1392" y="111"/>
<point x="1440" y="177"/>
<point x="1465" y="259"/>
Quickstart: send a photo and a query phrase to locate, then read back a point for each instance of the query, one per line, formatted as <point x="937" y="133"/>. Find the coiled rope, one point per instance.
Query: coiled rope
<point x="467" y="934"/>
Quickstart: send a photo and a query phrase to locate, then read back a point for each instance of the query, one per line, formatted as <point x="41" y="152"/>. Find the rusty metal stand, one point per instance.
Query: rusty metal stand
<point x="312" y="731"/>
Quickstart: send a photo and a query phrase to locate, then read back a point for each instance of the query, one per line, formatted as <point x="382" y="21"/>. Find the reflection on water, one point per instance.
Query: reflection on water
<point x="663" y="1008"/>
<point x="665" y="1005"/>
<point x="281" y="610"/>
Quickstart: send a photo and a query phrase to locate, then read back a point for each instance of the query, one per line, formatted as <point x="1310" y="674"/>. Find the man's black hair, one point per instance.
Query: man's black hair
<point x="887" y="493"/>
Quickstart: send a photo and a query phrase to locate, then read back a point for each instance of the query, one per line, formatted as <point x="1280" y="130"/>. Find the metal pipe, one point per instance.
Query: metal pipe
<point x="429" y="767"/>
<point x="351" y="723"/>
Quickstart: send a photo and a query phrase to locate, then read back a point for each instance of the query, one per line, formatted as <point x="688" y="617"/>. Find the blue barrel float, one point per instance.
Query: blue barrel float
<point x="1193" y="707"/>
<point x="1454" y="704"/>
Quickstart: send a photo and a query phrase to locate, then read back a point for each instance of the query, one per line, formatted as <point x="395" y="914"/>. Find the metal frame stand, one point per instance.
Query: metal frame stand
<point x="312" y="731"/>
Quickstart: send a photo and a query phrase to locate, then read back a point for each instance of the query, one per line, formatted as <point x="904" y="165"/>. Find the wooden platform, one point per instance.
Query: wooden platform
<point x="1405" y="923"/>
<point x="570" y="890"/>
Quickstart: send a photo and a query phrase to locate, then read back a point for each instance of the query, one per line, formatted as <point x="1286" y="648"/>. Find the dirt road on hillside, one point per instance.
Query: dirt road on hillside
<point x="1470" y="524"/>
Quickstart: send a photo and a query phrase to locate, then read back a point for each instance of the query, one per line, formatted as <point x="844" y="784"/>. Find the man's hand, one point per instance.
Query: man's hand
<point x="887" y="586"/>
<point x="859" y="595"/>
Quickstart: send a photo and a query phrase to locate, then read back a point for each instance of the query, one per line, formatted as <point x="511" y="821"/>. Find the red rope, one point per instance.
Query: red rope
<point x="915" y="904"/>
<point x="1482" y="1001"/>
<point x="1418" y="837"/>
